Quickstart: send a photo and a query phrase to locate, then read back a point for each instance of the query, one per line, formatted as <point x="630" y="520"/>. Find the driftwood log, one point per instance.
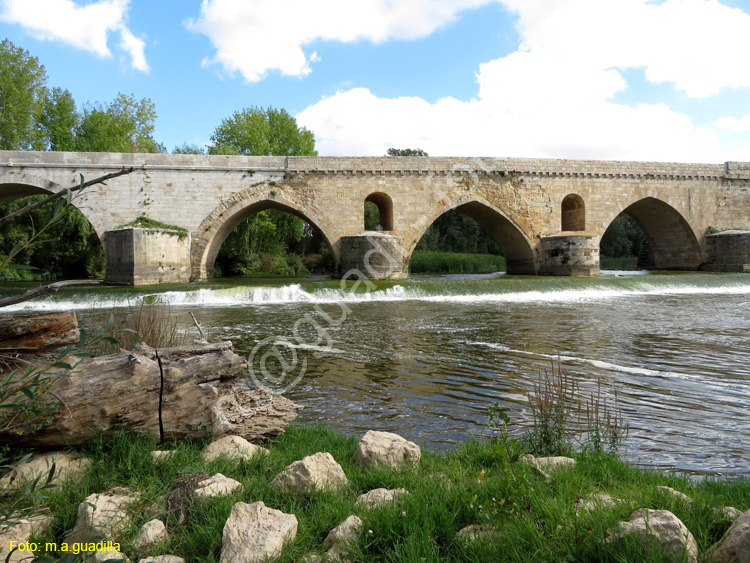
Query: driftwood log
<point x="38" y="332"/>
<point x="198" y="392"/>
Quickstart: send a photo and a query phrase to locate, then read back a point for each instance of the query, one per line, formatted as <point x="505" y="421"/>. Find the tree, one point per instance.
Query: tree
<point x="406" y="152"/>
<point x="262" y="132"/>
<point x="125" y="125"/>
<point x="23" y="92"/>
<point x="186" y="148"/>
<point x="59" y="120"/>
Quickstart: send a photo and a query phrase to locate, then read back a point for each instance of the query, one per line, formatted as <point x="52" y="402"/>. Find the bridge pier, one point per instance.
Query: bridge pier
<point x="137" y="256"/>
<point x="728" y="251"/>
<point x="570" y="254"/>
<point x="378" y="255"/>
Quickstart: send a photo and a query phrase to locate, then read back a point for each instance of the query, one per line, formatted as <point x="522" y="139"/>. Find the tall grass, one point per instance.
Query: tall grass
<point x="455" y="263"/>
<point x="153" y="324"/>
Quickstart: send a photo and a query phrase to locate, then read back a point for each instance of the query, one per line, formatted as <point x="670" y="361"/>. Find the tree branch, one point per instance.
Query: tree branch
<point x="42" y="290"/>
<point x="61" y="193"/>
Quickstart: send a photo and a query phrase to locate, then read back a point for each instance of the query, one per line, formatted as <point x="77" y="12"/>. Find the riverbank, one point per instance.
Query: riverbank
<point x="455" y="263"/>
<point x="530" y="518"/>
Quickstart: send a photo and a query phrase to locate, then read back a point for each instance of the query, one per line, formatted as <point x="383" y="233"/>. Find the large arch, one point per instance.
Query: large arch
<point x="15" y="186"/>
<point x="384" y="204"/>
<point x="573" y="213"/>
<point x="510" y="237"/>
<point x="215" y="229"/>
<point x="673" y="245"/>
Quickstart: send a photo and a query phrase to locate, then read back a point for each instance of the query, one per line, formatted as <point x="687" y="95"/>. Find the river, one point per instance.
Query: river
<point x="425" y="357"/>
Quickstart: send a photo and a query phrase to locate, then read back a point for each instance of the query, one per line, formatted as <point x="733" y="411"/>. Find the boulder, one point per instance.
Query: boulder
<point x="102" y="516"/>
<point x="734" y="546"/>
<point x="217" y="485"/>
<point x="233" y="447"/>
<point x="729" y="513"/>
<point x="385" y="448"/>
<point x="67" y="465"/>
<point x="378" y="497"/>
<point x="162" y="559"/>
<point x="314" y="472"/>
<point x="254" y="533"/>
<point x="554" y="462"/>
<point x="531" y="461"/>
<point x="474" y="532"/>
<point x="676" y="494"/>
<point x="160" y="456"/>
<point x="150" y="533"/>
<point x="677" y="543"/>
<point x="101" y="556"/>
<point x="339" y="540"/>
<point x="20" y="532"/>
<point x="597" y="501"/>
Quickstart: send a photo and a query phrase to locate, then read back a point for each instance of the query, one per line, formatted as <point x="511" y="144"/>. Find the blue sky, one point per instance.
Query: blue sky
<point x="600" y="79"/>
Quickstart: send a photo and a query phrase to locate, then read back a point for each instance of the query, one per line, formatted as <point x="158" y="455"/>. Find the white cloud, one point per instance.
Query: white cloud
<point x="734" y="125"/>
<point x="553" y="96"/>
<point x="253" y="37"/>
<point x="86" y="26"/>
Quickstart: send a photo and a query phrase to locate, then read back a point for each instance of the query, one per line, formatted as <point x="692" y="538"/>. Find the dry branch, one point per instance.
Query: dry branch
<point x="38" y="332"/>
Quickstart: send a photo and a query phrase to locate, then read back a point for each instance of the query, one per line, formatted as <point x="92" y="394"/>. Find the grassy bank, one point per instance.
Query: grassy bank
<point x="535" y="520"/>
<point x="623" y="263"/>
<point x="455" y="263"/>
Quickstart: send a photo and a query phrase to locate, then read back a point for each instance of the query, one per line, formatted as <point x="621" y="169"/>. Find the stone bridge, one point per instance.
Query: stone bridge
<point x="546" y="215"/>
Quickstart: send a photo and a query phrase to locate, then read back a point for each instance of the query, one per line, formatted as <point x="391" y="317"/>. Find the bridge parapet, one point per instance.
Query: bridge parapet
<point x="737" y="170"/>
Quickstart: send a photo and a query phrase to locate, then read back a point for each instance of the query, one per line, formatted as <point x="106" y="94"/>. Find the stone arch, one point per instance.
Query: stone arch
<point x="215" y="228"/>
<point x="384" y="204"/>
<point x="573" y="213"/>
<point x="510" y="237"/>
<point x="673" y="245"/>
<point x="15" y="186"/>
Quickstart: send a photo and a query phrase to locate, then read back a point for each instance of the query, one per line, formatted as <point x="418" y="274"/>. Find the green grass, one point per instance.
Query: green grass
<point x="144" y="222"/>
<point x="419" y="528"/>
<point x="455" y="263"/>
<point x="622" y="263"/>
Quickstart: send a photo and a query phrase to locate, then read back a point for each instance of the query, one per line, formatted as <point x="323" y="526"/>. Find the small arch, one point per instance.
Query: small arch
<point x="222" y="221"/>
<point x="671" y="243"/>
<point x="573" y="213"/>
<point x="384" y="203"/>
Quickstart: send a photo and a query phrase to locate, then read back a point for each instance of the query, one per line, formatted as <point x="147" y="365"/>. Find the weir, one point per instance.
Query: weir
<point x="546" y="215"/>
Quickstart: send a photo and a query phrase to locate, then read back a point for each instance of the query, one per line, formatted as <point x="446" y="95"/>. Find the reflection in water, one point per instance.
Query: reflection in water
<point x="425" y="357"/>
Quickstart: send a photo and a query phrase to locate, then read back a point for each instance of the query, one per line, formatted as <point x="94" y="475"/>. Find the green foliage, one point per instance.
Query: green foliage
<point x="372" y="216"/>
<point x="622" y="263"/>
<point x="60" y="120"/>
<point x="125" y="125"/>
<point x="262" y="132"/>
<point x="622" y="238"/>
<point x="186" y="148"/>
<point x="23" y="92"/>
<point x="455" y="263"/>
<point x="144" y="222"/>
<point x="454" y="232"/>
<point x="406" y="152"/>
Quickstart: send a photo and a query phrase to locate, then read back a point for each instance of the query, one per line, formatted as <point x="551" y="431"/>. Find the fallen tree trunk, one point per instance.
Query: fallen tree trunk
<point x="200" y="395"/>
<point x="38" y="332"/>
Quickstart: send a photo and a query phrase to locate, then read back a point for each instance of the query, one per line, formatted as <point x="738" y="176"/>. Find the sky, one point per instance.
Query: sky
<point x="585" y="79"/>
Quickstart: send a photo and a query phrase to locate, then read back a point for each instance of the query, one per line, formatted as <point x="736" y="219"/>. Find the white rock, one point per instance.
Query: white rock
<point x="254" y="532"/>
<point x="159" y="456"/>
<point x="734" y="546"/>
<point x="162" y="559"/>
<point x="233" y="447"/>
<point x="217" y="485"/>
<point x="730" y="513"/>
<point x="345" y="533"/>
<point x="150" y="533"/>
<point x="100" y="556"/>
<point x="597" y="501"/>
<point x="554" y="462"/>
<point x="676" y="494"/>
<point x="385" y="448"/>
<point x="378" y="497"/>
<point x="677" y="543"/>
<point x="474" y="532"/>
<point x="314" y="472"/>
<point x="67" y="465"/>
<point x="531" y="461"/>
<point x="102" y="515"/>
<point x="21" y="532"/>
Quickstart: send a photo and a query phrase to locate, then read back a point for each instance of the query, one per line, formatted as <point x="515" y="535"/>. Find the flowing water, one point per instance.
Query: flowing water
<point x="425" y="357"/>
